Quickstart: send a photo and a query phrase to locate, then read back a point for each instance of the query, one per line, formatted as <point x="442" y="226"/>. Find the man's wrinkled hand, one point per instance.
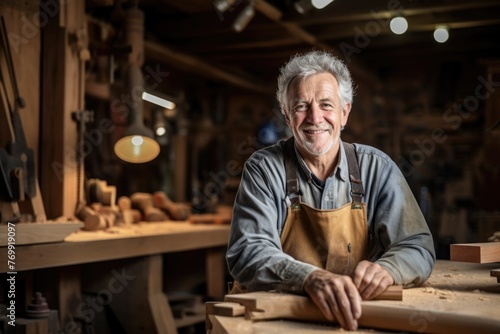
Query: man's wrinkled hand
<point x="336" y="296"/>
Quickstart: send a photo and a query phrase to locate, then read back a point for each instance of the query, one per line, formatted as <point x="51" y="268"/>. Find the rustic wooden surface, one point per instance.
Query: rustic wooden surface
<point x="457" y="294"/>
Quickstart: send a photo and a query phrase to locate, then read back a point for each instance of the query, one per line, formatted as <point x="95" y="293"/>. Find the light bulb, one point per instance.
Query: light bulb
<point x="441" y="34"/>
<point x="320" y="4"/>
<point x="137" y="140"/>
<point x="399" y="25"/>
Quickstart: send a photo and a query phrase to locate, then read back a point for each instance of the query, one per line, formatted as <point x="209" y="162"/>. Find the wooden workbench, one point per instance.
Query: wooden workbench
<point x="138" y="250"/>
<point x="455" y="289"/>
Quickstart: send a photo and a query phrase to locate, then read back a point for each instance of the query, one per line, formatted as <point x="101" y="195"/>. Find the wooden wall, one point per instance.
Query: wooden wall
<point x="50" y="79"/>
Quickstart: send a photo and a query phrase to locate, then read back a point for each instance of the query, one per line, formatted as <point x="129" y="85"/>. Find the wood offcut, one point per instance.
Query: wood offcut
<point x="485" y="252"/>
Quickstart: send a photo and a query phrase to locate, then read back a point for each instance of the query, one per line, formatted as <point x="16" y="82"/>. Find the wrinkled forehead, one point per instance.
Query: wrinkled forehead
<point x="299" y="83"/>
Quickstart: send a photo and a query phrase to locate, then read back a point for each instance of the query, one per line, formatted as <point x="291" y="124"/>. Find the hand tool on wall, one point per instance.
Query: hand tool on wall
<point x="18" y="162"/>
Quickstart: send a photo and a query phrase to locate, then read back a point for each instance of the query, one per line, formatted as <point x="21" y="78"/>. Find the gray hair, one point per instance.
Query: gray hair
<point x="304" y="65"/>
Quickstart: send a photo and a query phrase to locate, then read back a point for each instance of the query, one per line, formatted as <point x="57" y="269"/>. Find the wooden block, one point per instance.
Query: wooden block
<point x="228" y="309"/>
<point x="485" y="252"/>
<point x="496" y="273"/>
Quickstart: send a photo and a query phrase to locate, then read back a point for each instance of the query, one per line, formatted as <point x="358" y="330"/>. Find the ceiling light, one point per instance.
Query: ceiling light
<point x="399" y="25"/>
<point x="244" y="18"/>
<point x="222" y="5"/>
<point x="303" y="6"/>
<point x="441" y="34"/>
<point x="158" y="101"/>
<point x="320" y="4"/>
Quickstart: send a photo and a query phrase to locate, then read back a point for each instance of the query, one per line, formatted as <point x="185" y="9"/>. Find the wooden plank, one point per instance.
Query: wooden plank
<point x="267" y="306"/>
<point x="38" y="233"/>
<point x="485" y="252"/>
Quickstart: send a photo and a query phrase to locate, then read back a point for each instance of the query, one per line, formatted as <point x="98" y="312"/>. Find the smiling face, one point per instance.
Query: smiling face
<point x="316" y="115"/>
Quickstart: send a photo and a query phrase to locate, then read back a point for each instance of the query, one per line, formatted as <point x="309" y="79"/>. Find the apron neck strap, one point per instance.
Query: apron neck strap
<point x="292" y="181"/>
<point x="357" y="191"/>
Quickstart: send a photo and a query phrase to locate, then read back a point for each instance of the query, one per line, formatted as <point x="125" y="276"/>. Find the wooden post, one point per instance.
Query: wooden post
<point x="64" y="55"/>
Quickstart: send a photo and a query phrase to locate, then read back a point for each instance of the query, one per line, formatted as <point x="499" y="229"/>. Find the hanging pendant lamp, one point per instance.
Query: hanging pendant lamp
<point x="137" y="144"/>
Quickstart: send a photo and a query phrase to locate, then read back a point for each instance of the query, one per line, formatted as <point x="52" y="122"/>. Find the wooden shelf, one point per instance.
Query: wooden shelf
<point x="140" y="240"/>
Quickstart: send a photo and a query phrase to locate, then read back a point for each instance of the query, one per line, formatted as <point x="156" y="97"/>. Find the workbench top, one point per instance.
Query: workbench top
<point x="119" y="243"/>
<point x="455" y="289"/>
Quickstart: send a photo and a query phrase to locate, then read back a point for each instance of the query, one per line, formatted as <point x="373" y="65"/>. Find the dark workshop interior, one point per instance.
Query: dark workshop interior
<point x="73" y="75"/>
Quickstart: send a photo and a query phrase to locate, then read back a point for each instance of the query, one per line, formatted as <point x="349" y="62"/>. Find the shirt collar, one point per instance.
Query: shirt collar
<point x="341" y="171"/>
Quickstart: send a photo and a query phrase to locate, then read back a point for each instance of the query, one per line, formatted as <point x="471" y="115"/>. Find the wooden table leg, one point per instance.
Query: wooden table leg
<point x="142" y="306"/>
<point x="216" y="264"/>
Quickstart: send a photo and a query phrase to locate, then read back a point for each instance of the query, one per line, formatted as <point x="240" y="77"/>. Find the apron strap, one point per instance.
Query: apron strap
<point x="357" y="191"/>
<point x="292" y="182"/>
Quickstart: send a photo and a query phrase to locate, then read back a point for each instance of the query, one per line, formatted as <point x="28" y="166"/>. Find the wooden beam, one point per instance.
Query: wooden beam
<point x="486" y="252"/>
<point x="268" y="306"/>
<point x="192" y="64"/>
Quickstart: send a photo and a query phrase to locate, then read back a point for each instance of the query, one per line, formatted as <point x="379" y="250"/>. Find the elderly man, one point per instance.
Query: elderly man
<point x="319" y="216"/>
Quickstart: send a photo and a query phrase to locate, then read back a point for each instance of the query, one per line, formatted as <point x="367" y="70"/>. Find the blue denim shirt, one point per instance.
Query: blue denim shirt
<point x="399" y="238"/>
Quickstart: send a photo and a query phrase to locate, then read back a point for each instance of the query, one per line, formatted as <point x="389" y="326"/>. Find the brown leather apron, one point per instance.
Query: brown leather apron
<point x="335" y="240"/>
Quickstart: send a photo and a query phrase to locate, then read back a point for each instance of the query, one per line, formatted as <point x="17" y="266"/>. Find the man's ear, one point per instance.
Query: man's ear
<point x="287" y="116"/>
<point x="345" y="113"/>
